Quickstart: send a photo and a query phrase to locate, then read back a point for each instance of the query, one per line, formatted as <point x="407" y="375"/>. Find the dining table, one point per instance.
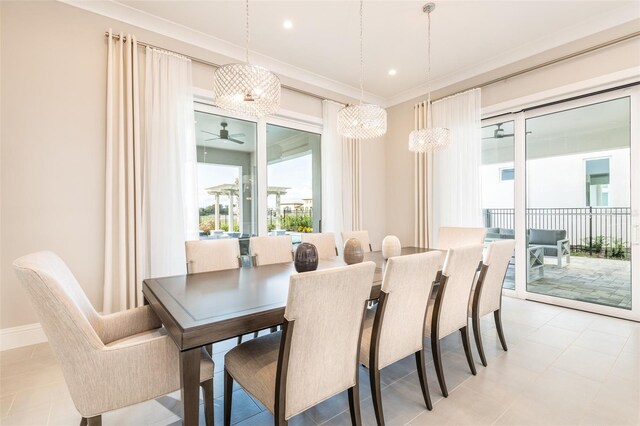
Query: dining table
<point x="202" y="309"/>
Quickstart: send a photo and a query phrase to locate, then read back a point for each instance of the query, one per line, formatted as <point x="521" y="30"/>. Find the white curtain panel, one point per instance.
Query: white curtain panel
<point x="423" y="177"/>
<point x="331" y="151"/>
<point x="351" y="185"/>
<point x="456" y="169"/>
<point x="340" y="175"/>
<point x="122" y="273"/>
<point x="169" y="203"/>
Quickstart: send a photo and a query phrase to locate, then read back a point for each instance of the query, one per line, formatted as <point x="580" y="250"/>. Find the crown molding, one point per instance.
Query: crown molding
<point x="132" y="16"/>
<point x="147" y="21"/>
<point x="616" y="17"/>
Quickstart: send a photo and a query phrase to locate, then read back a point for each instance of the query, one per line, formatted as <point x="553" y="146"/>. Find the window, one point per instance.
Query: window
<point x="597" y="182"/>
<point x="259" y="177"/>
<point x="507" y="174"/>
<point x="293" y="181"/>
<point x="226" y="150"/>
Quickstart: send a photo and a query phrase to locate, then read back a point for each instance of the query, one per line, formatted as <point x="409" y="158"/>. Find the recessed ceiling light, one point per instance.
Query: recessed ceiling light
<point x="287" y="24"/>
<point x="393" y="72"/>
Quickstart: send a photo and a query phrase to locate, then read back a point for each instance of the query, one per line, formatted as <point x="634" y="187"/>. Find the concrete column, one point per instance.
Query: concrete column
<point x="231" y="202"/>
<point x="278" y="211"/>
<point x="217" y="211"/>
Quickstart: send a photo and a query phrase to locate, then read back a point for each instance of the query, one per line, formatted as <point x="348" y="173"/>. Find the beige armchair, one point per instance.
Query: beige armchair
<point x="325" y="243"/>
<point x="395" y="328"/>
<point x="486" y="296"/>
<point x="212" y="255"/>
<point x="449" y="312"/>
<point x="362" y="236"/>
<point x="270" y="250"/>
<point x="316" y="355"/>
<point x="108" y="361"/>
<point x="451" y="237"/>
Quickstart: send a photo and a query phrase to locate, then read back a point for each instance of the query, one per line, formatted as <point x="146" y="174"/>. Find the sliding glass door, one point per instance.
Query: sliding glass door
<point x="578" y="213"/>
<point x="568" y="184"/>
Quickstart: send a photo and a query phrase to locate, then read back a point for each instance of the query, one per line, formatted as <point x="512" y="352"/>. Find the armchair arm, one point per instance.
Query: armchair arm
<point x="564" y="244"/>
<point x="128" y="373"/>
<point x="127" y="323"/>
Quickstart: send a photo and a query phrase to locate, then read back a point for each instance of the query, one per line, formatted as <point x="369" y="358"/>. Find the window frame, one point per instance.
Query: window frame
<point x="203" y="102"/>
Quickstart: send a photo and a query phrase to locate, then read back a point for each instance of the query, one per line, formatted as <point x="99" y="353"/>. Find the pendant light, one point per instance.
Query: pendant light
<point x="362" y="121"/>
<point x="430" y="138"/>
<point x="245" y="88"/>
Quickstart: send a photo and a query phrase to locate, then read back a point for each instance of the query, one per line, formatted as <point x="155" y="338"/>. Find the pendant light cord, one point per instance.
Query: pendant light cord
<point x="361" y="56"/>
<point x="428" y="124"/>
<point x="247" y="29"/>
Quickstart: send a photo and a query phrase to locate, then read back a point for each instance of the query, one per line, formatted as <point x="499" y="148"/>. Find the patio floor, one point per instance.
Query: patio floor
<point x="594" y="280"/>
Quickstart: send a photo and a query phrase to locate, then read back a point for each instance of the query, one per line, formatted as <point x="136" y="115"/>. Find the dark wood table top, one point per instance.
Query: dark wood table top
<point x="200" y="309"/>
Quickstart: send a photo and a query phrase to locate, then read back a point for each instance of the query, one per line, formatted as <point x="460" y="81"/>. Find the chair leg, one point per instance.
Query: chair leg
<point x="255" y="334"/>
<point x="422" y="375"/>
<point x="437" y="361"/>
<point x="274" y="329"/>
<point x="207" y="395"/>
<point x="239" y="339"/>
<point x="498" y="318"/>
<point x="228" y="394"/>
<point x="354" y="405"/>
<point x="91" y="421"/>
<point x="376" y="395"/>
<point x="476" y="334"/>
<point x="209" y="349"/>
<point x="464" y="332"/>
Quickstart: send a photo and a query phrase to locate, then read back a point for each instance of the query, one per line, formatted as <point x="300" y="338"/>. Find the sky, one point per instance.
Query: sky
<point x="294" y="174"/>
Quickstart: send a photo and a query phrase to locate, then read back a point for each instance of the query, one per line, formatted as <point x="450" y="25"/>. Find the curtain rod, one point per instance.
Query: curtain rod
<point x="214" y="65"/>
<point x="547" y="63"/>
<point x="561" y="101"/>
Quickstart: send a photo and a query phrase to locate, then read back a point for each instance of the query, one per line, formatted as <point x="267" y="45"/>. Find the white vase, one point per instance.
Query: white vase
<point x="391" y="246"/>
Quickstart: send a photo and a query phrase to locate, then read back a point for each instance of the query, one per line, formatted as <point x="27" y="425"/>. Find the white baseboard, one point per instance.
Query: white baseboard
<point x="24" y="335"/>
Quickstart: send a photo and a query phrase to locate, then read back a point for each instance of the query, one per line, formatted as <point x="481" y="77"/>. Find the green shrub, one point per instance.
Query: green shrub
<point x="617" y="249"/>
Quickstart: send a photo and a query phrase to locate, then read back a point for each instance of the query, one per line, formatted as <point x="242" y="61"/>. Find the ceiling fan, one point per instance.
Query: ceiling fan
<point x="499" y="133"/>
<point x="224" y="135"/>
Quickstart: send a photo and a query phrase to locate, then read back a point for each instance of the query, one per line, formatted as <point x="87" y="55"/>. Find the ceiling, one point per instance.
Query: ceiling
<point x="468" y="37"/>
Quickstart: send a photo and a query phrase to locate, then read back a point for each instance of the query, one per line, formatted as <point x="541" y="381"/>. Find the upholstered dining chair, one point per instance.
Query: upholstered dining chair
<point x="448" y="313"/>
<point x="325" y="243"/>
<point x="270" y="250"/>
<point x="108" y="361"/>
<point x="362" y="236"/>
<point x="486" y="296"/>
<point x="212" y="255"/>
<point x="452" y="237"/>
<point x="395" y="328"/>
<point x="315" y="356"/>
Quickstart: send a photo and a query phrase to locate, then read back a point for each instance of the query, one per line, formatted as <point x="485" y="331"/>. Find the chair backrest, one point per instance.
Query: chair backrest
<point x="406" y="286"/>
<point x="496" y="261"/>
<point x="327" y="308"/>
<point x="450" y="237"/>
<point x="71" y="324"/>
<point x="269" y="250"/>
<point x="325" y="242"/>
<point x="362" y="236"/>
<point x="212" y="255"/>
<point x="452" y="301"/>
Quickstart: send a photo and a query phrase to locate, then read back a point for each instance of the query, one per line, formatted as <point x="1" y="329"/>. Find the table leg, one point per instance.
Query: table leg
<point x="189" y="382"/>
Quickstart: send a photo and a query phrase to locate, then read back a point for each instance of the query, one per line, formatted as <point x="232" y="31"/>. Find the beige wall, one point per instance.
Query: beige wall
<point x="399" y="161"/>
<point x="53" y="73"/>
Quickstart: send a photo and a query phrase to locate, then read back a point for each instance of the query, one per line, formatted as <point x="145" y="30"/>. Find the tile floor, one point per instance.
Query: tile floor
<point x="602" y="281"/>
<point x="563" y="367"/>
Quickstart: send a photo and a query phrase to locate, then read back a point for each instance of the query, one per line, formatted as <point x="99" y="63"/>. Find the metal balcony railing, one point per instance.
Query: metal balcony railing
<point x="595" y="230"/>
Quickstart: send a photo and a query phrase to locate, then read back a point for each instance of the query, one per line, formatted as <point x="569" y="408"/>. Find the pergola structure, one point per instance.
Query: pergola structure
<point x="278" y="191"/>
<point x="230" y="190"/>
